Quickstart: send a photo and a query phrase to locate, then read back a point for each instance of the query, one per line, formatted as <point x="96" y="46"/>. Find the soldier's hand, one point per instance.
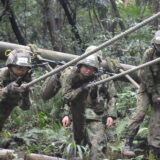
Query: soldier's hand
<point x="12" y="87"/>
<point x="65" y="121"/>
<point x="83" y="87"/>
<point x="23" y="87"/>
<point x="156" y="98"/>
<point x="109" y="122"/>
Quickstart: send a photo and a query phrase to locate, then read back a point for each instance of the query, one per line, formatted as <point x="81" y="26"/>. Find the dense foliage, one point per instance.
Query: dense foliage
<point x="46" y="24"/>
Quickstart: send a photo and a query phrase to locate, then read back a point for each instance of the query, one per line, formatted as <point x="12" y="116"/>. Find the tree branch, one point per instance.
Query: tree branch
<point x="13" y="22"/>
<point x="72" y="23"/>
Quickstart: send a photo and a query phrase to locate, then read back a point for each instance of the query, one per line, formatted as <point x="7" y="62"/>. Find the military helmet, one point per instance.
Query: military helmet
<point x="98" y="53"/>
<point x="19" y="57"/>
<point x="156" y="38"/>
<point x="92" y="60"/>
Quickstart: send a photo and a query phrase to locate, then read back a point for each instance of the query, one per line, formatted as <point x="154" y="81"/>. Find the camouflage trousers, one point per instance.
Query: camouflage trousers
<point x="143" y="103"/>
<point x="5" y="111"/>
<point x="95" y="136"/>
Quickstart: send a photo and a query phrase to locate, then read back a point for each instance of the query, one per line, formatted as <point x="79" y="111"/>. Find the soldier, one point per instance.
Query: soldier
<point x="149" y="95"/>
<point x="53" y="84"/>
<point x="11" y="94"/>
<point x="92" y="109"/>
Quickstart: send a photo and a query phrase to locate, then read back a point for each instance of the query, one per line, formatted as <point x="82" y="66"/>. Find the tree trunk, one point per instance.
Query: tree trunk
<point x="52" y="55"/>
<point x="50" y="22"/>
<point x="72" y="22"/>
<point x="58" y="16"/>
<point x="98" y="20"/>
<point x="14" y="24"/>
<point x="41" y="157"/>
<point x="2" y="13"/>
<point x="117" y="15"/>
<point x="6" y="154"/>
<point x="155" y="8"/>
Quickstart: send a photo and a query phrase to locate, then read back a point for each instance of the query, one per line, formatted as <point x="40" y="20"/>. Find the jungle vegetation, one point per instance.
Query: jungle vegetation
<point x="70" y="26"/>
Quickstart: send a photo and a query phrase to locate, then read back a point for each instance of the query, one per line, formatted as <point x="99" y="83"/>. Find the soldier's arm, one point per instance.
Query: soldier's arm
<point x="145" y="74"/>
<point x="111" y="100"/>
<point x="3" y="90"/>
<point x="25" y="102"/>
<point x="26" y="96"/>
<point x="50" y="87"/>
<point x="113" y="65"/>
<point x="69" y="94"/>
<point x="66" y="111"/>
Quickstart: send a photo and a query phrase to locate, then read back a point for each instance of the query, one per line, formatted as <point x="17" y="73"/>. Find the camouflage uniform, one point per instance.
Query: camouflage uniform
<point x="149" y="90"/>
<point x="143" y="101"/>
<point x="89" y="109"/>
<point x="150" y="78"/>
<point x="53" y="84"/>
<point x="9" y="100"/>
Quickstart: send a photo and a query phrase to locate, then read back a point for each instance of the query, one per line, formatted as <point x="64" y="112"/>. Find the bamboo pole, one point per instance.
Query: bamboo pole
<point x="40" y="157"/>
<point x="48" y="54"/>
<point x="124" y="73"/>
<point x="7" y="154"/>
<point x="105" y="44"/>
<point x="131" y="79"/>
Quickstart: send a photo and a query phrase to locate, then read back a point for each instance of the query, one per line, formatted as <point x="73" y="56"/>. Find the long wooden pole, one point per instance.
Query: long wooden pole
<point x="124" y="73"/>
<point x="48" y="54"/>
<point x="105" y="44"/>
<point x="131" y="79"/>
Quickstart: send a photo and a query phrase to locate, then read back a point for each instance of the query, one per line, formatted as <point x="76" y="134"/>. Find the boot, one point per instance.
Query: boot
<point x="127" y="149"/>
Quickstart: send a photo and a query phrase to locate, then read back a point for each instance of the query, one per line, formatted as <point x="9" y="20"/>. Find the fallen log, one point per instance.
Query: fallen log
<point x="40" y="157"/>
<point x="60" y="56"/>
<point x="7" y="154"/>
<point x="48" y="54"/>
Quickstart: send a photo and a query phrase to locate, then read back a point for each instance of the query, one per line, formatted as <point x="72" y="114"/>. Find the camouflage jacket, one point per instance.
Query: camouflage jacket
<point x="95" y="103"/>
<point x="8" y="99"/>
<point x="53" y="84"/>
<point x="150" y="78"/>
<point x="149" y="75"/>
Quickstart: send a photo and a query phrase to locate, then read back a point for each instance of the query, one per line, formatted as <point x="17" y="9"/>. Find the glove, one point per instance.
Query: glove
<point x="13" y="87"/>
<point x="82" y="88"/>
<point x="156" y="98"/>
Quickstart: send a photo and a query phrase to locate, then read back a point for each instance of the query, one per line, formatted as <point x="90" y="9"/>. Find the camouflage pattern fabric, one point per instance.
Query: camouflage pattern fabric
<point x="150" y="77"/>
<point x="50" y="87"/>
<point x="96" y="138"/>
<point x="146" y="73"/>
<point x="52" y="84"/>
<point x="89" y="109"/>
<point x="143" y="103"/>
<point x="113" y="65"/>
<point x="9" y="101"/>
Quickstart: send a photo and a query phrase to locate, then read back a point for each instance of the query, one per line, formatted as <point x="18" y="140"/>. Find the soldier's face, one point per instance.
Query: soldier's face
<point x="19" y="71"/>
<point x="87" y="71"/>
